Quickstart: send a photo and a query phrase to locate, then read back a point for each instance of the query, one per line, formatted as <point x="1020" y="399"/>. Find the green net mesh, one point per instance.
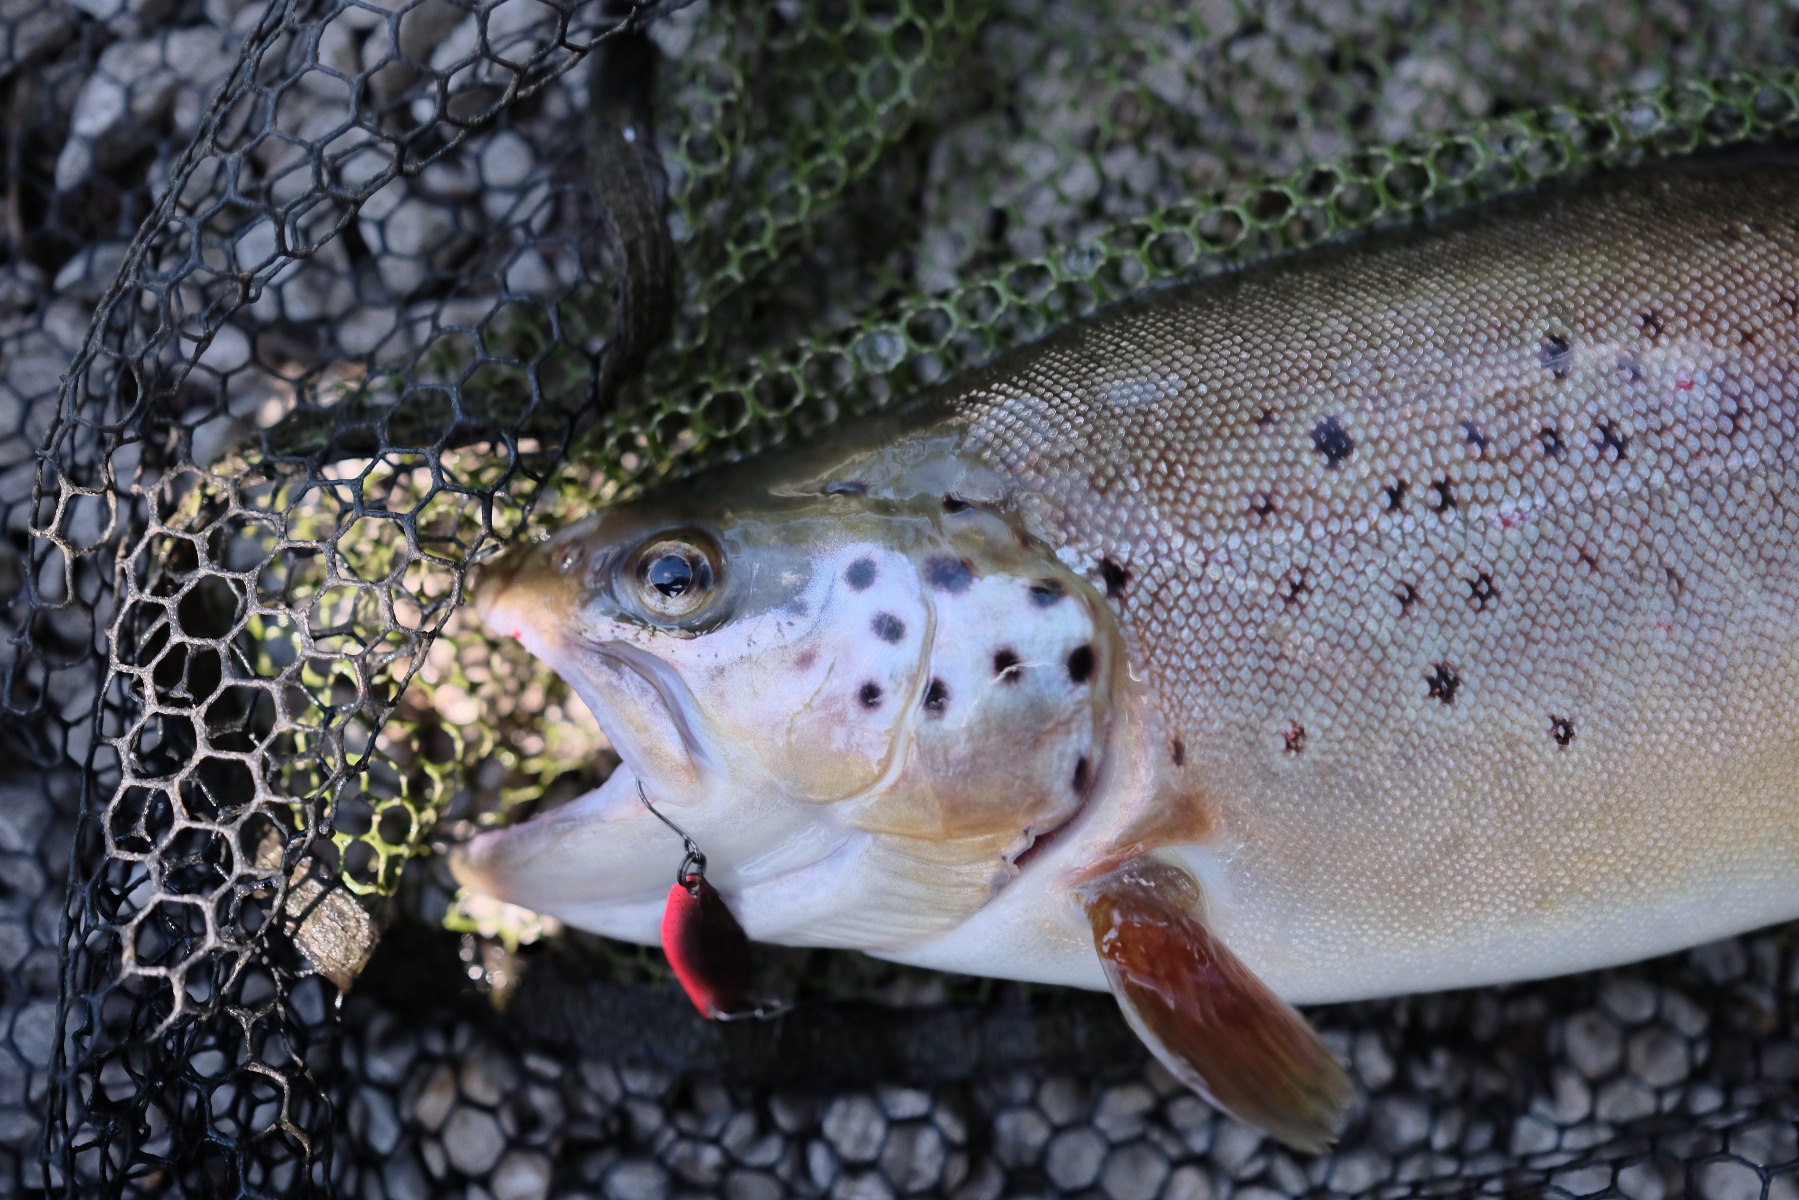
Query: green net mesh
<point x="302" y="312"/>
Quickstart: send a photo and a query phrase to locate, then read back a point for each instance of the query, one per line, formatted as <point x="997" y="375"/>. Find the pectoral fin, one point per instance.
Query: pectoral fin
<point x="1210" y="1021"/>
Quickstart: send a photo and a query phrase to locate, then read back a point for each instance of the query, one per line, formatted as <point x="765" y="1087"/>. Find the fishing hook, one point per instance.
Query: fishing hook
<point x="692" y="871"/>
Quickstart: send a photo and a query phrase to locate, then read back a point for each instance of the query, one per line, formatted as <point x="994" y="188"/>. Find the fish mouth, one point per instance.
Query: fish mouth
<point x="643" y="707"/>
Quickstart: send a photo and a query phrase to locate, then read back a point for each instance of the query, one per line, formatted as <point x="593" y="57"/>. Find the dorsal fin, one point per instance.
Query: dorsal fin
<point x="1210" y="1021"/>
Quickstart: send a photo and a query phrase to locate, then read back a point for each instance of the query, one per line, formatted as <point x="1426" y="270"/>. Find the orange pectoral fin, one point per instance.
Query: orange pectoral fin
<point x="1210" y="1021"/>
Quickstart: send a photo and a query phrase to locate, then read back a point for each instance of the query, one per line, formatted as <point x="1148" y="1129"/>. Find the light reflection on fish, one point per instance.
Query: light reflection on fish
<point x="1418" y="613"/>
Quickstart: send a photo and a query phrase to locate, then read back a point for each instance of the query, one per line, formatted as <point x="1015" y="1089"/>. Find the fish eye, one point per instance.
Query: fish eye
<point x="674" y="575"/>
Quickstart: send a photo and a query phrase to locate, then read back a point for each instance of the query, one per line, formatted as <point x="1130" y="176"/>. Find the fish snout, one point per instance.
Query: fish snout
<point x="529" y="585"/>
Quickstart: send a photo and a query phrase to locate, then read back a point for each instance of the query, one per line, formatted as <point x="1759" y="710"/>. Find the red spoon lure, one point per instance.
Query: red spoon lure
<point x="706" y="947"/>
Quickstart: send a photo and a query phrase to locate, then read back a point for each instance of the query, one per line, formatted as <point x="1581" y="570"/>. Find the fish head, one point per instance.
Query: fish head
<point x="862" y="711"/>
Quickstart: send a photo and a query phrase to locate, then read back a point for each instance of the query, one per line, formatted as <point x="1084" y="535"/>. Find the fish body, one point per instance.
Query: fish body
<point x="1421" y="612"/>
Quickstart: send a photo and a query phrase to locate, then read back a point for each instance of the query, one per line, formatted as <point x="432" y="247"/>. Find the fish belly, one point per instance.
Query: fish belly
<point x="1462" y="570"/>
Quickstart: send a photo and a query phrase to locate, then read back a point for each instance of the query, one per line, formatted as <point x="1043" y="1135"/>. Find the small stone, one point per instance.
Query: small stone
<point x="404" y="1178"/>
<point x="1074" y="1158"/>
<point x="637" y="1179"/>
<point x="1593" y="1043"/>
<point x="862" y="1185"/>
<point x="435" y="1098"/>
<point x="985" y="1182"/>
<point x="913" y="1157"/>
<point x="1399" y="1122"/>
<point x="1188" y="1183"/>
<point x="855" y="1127"/>
<point x="1659" y="1057"/>
<point x="1134" y="1172"/>
<point x="821" y="1164"/>
<point x="473" y="1140"/>
<point x="699" y="1163"/>
<point x="521" y="1175"/>
<point x="1730" y="1181"/>
<point x="904" y="1104"/>
<point x="1630" y="1000"/>
<point x="753" y="1185"/>
<point x="1120" y="1111"/>
<point x="1019" y="1135"/>
<point x="1063" y="1099"/>
<point x="793" y="1112"/>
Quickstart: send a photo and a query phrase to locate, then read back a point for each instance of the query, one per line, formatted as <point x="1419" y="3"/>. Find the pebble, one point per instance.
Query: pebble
<point x="854" y="1126"/>
<point x="473" y="1139"/>
<point x="637" y="1179"/>
<point x="1019" y="1135"/>
<point x="914" y="1156"/>
<point x="1121" y="1110"/>
<point x="1134" y="1172"/>
<point x="1074" y="1158"/>
<point x="522" y="1175"/>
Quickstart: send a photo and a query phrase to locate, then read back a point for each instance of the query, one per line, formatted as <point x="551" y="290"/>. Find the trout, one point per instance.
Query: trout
<point x="1415" y="613"/>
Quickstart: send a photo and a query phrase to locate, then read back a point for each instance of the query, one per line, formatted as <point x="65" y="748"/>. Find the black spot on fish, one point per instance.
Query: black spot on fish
<point x="1444" y="682"/>
<point x="1330" y="439"/>
<point x="1115" y="576"/>
<point x="955" y="504"/>
<point x="1395" y="494"/>
<point x="1295" y="738"/>
<point x="1481" y="591"/>
<point x="870" y="695"/>
<point x="1746" y="335"/>
<point x="1080" y="664"/>
<point x="1005" y="665"/>
<point x="947" y="573"/>
<point x="1562" y="730"/>
<point x="1083" y="775"/>
<point x="1262" y="504"/>
<point x="1630" y="367"/>
<point x="1265" y="418"/>
<point x="1611" y="438"/>
<point x="1554" y="352"/>
<point x="1442" y="495"/>
<point x="936" y="697"/>
<point x="1407" y="595"/>
<point x="1587" y="558"/>
<point x="1551" y="438"/>
<point x="1651" y="323"/>
<point x="1474" y="436"/>
<point x="1677" y="584"/>
<point x="1297" y="588"/>
<point x="1045" y="592"/>
<point x="861" y="574"/>
<point x="846" y="487"/>
<point x="888" y="628"/>
<point x="1177" y="750"/>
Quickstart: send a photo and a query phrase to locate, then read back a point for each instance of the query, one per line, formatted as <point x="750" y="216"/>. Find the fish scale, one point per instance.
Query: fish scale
<point x="1429" y="617"/>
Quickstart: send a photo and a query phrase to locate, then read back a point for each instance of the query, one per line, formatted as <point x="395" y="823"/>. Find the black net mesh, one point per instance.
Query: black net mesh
<point x="304" y="308"/>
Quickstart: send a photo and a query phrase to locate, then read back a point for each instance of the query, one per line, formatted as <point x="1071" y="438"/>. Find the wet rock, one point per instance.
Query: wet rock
<point x="473" y="1140"/>
<point x="913" y="1157"/>
<point x="1074" y="1158"/>
<point x="1134" y="1172"/>
<point x="522" y="1175"/>
<point x="855" y="1127"/>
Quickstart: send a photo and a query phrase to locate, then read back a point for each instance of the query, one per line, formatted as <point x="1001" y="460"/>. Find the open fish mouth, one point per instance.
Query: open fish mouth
<point x="643" y="708"/>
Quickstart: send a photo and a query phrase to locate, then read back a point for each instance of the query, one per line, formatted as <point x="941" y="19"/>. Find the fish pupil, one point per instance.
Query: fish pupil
<point x="671" y="574"/>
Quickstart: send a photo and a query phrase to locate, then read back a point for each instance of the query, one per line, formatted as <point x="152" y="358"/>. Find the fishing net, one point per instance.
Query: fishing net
<point x="305" y="308"/>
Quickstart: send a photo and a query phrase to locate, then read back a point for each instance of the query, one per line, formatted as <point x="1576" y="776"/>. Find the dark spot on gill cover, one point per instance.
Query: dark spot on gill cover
<point x="1115" y="576"/>
<point x="1294" y="739"/>
<point x="936" y="697"/>
<point x="870" y="695"/>
<point x="1005" y="665"/>
<point x="888" y="628"/>
<point x="1330" y="439"/>
<point x="1551" y="438"/>
<point x="1083" y="775"/>
<point x="1080" y="663"/>
<point x="1481" y="592"/>
<point x="1177" y="750"/>
<point x="1045" y="592"/>
<point x="947" y="573"/>
<point x="861" y="574"/>
<point x="1562" y="730"/>
<point x="1613" y="439"/>
<point x="1555" y="353"/>
<point x="1444" y="682"/>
